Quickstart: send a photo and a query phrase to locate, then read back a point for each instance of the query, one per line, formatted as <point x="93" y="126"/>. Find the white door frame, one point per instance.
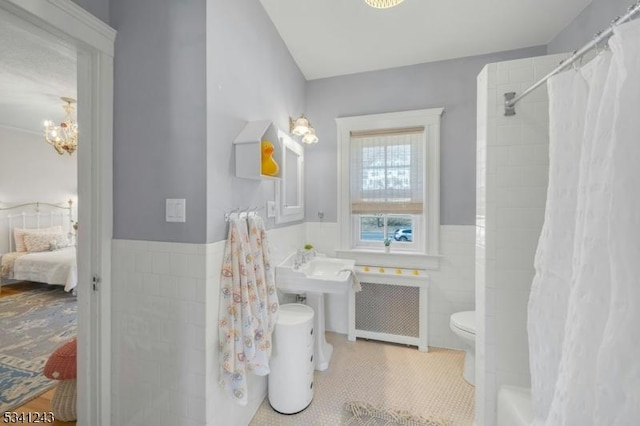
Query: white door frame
<point x="94" y="41"/>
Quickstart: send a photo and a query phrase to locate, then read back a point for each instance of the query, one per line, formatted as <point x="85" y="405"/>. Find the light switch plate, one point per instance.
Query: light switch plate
<point x="271" y="209"/>
<point x="176" y="210"/>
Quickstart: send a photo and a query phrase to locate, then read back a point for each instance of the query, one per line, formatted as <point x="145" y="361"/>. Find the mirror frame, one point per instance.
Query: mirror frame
<point x="284" y="212"/>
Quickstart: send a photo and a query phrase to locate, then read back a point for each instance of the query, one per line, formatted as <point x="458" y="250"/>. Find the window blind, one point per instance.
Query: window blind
<point x="387" y="171"/>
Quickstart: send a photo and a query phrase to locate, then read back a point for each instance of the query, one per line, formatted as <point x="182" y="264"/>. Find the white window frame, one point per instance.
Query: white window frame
<point x="409" y="246"/>
<point x="425" y="254"/>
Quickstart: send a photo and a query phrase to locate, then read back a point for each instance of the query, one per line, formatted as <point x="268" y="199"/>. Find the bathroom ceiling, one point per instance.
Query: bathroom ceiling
<point x="325" y="37"/>
<point x="334" y="37"/>
<point x="35" y="71"/>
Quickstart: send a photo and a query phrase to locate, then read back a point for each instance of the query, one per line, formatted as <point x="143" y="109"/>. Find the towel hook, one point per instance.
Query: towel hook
<point x="227" y="216"/>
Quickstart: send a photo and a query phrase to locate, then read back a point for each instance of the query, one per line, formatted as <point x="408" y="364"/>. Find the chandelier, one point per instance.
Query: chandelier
<point x="63" y="137"/>
<point x="383" y="4"/>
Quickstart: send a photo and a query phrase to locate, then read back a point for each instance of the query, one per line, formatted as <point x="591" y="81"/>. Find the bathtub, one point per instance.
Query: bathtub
<point x="514" y="406"/>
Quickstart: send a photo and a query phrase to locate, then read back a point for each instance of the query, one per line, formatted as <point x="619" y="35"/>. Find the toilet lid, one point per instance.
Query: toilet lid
<point x="465" y="321"/>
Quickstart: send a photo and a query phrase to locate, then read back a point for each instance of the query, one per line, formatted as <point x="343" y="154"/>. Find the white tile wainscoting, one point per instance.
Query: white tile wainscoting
<point x="512" y="172"/>
<point x="165" y="312"/>
<point x="165" y="334"/>
<point x="451" y="287"/>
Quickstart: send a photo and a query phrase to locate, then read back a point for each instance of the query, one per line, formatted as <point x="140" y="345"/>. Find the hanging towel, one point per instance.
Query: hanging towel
<point x="265" y="279"/>
<point x="356" y="282"/>
<point x="246" y="312"/>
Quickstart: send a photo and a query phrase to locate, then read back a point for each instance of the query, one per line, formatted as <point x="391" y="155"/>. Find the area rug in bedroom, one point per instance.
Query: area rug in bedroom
<point x="34" y="323"/>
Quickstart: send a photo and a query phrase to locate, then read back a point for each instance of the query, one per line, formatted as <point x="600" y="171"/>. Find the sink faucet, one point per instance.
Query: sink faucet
<point x="302" y="257"/>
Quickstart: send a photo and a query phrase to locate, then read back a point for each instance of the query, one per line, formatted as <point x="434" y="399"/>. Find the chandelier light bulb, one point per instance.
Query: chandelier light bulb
<point x="63" y="138"/>
<point x="383" y="4"/>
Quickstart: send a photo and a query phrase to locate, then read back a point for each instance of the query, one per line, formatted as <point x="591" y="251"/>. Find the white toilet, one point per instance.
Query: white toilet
<point x="463" y="324"/>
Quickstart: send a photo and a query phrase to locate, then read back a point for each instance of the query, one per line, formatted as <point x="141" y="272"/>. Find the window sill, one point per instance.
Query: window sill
<point x="393" y="259"/>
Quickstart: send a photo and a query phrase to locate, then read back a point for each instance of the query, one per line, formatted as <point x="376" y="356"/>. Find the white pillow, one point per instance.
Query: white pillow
<point x="18" y="235"/>
<point x="43" y="241"/>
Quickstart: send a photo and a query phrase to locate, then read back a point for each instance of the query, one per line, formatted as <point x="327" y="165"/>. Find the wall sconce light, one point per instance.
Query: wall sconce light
<point x="301" y="127"/>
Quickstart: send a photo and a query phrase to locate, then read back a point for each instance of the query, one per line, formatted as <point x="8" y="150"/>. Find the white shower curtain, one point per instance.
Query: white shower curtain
<point x="584" y="308"/>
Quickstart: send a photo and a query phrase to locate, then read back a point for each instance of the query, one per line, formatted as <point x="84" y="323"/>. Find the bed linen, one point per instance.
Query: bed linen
<point x="57" y="267"/>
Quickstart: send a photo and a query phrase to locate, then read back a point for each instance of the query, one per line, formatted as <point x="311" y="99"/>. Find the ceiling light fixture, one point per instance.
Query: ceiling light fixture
<point x="63" y="137"/>
<point x="301" y="127"/>
<point x="383" y="4"/>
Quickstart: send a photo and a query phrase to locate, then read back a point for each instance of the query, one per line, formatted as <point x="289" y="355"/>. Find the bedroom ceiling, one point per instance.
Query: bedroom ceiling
<point x="334" y="37"/>
<point x="35" y="71"/>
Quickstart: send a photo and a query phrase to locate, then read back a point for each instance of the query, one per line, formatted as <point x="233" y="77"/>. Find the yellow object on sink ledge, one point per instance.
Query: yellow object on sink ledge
<point x="396" y="271"/>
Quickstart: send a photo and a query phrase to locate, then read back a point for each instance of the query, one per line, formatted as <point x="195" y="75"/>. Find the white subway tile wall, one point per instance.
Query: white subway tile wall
<point x="158" y="335"/>
<point x="451" y="288"/>
<point x="512" y="173"/>
<point x="165" y="334"/>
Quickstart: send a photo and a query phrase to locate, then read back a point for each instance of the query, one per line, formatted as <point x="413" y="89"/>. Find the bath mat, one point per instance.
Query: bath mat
<point x="34" y="323"/>
<point x="363" y="413"/>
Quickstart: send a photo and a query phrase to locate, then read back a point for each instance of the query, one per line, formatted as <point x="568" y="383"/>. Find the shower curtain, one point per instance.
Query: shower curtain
<point x="248" y="306"/>
<point x="584" y="307"/>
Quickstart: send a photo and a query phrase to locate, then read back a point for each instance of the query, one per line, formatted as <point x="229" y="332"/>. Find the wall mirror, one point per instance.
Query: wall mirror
<point x="290" y="188"/>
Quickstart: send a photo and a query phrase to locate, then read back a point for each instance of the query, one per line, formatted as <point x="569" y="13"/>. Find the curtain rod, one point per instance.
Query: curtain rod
<point x="511" y="99"/>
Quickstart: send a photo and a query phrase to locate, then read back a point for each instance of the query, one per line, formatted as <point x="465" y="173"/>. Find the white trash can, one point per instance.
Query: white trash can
<point x="292" y="363"/>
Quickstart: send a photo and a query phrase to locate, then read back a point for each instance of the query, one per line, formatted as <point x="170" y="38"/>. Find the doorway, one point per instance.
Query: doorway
<point x="93" y="41"/>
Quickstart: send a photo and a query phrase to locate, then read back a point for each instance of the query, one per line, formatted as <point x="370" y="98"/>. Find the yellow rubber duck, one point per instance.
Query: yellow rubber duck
<point x="269" y="165"/>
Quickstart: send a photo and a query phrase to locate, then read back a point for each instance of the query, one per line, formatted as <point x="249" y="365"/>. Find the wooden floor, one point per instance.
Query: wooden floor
<point x="43" y="402"/>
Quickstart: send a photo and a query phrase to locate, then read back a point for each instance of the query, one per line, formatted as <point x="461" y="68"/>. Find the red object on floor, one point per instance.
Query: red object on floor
<point x="62" y="364"/>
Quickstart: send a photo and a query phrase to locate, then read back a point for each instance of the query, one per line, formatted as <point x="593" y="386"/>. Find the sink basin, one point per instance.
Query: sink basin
<point x="319" y="275"/>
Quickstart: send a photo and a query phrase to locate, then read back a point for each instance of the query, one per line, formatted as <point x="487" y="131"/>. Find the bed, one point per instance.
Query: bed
<point x="40" y="246"/>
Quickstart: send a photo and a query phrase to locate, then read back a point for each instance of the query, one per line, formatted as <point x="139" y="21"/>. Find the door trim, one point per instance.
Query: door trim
<point x="94" y="41"/>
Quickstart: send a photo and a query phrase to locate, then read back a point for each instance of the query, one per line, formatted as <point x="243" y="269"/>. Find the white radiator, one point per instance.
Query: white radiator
<point x="391" y="307"/>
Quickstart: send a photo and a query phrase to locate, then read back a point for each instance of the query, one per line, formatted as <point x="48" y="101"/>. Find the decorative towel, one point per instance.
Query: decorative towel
<point x="248" y="307"/>
<point x="354" y="277"/>
<point x="265" y="277"/>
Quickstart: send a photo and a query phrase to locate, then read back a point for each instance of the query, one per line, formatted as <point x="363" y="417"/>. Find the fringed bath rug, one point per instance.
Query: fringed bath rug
<point x="363" y="413"/>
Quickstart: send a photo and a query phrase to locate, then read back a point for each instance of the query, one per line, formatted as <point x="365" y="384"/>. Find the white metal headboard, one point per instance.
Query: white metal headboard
<point x="59" y="214"/>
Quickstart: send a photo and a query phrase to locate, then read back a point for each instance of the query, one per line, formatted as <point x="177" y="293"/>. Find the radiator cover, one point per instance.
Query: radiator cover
<point x="390" y="308"/>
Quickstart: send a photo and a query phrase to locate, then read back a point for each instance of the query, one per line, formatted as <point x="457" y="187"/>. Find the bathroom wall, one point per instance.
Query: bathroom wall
<point x="159" y="134"/>
<point x="449" y="84"/>
<point x="189" y="76"/>
<point x="595" y="17"/>
<point x="250" y="76"/>
<point x="451" y="288"/>
<point x="512" y="174"/>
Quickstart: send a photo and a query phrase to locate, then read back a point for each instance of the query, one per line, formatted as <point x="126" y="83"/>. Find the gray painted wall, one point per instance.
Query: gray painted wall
<point x="595" y="17"/>
<point x="99" y="8"/>
<point x="250" y="76"/>
<point x="181" y="100"/>
<point x="159" y="118"/>
<point x="449" y="84"/>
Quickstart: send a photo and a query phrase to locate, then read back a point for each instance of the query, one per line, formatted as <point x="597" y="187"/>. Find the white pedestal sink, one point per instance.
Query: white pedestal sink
<point x="318" y="276"/>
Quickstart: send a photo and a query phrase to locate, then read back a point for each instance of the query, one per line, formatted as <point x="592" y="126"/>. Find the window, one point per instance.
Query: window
<point x="389" y="182"/>
<point x="386" y="186"/>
